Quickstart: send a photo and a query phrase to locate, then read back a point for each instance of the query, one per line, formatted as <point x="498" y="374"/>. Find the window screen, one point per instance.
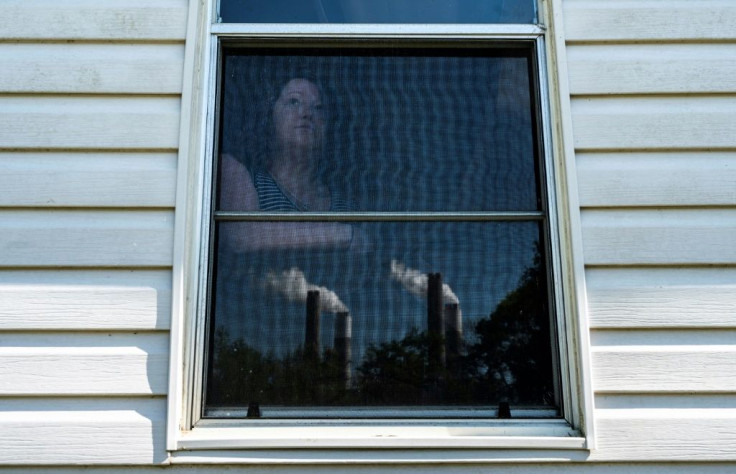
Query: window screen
<point x="378" y="236"/>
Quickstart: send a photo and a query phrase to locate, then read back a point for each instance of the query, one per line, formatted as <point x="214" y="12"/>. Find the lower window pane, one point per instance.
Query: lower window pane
<point x="419" y="315"/>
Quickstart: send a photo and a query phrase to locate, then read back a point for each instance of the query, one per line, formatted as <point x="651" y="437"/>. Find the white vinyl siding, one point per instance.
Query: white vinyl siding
<point x="654" y="124"/>
<point x="88" y="179"/>
<point x="665" y="21"/>
<point x="108" y="68"/>
<point x="74" y="431"/>
<point x="89" y="127"/>
<point x="94" y="20"/>
<point x="89" y="134"/>
<point x="114" y="299"/>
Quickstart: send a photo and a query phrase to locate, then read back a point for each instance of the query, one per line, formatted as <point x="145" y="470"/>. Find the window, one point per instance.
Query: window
<point x="380" y="249"/>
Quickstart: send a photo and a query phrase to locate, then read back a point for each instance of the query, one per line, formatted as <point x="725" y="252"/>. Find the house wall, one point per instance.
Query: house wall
<point x="90" y="96"/>
<point x="90" y="100"/>
<point x="653" y="100"/>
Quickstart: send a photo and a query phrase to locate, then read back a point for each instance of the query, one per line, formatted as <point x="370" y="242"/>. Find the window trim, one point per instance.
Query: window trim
<point x="386" y="434"/>
<point x="186" y="432"/>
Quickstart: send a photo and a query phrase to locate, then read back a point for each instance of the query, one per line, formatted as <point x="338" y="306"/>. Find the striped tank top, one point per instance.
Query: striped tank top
<point x="272" y="198"/>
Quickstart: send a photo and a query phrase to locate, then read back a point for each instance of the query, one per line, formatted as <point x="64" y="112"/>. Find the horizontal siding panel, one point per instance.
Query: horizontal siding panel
<point x="85" y="300"/>
<point x="87" y="179"/>
<point x="657" y="179"/>
<point x="648" y="20"/>
<point x="91" y="68"/>
<point x="659" y="237"/>
<point x="644" y="69"/>
<point x="627" y="340"/>
<point x="604" y="123"/>
<point x="665" y="435"/>
<point x="657" y="369"/>
<point x="91" y="238"/>
<point x="82" y="431"/>
<point x="75" y="364"/>
<point x="89" y="122"/>
<point x="662" y="298"/>
<point x="667" y="400"/>
<point x="92" y="19"/>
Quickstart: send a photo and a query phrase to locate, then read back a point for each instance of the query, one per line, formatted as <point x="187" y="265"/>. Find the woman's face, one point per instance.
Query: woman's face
<point x="298" y="116"/>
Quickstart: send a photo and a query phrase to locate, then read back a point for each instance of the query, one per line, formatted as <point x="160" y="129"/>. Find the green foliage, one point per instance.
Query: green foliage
<point x="403" y="373"/>
<point x="513" y="356"/>
<point x="241" y="375"/>
<point x="400" y="372"/>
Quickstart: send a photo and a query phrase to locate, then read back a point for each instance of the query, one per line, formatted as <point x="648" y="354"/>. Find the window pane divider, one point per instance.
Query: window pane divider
<point x="379" y="30"/>
<point x="378" y="216"/>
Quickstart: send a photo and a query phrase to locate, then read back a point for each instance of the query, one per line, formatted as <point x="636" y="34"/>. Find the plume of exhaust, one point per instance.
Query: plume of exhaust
<point x="416" y="282"/>
<point x="293" y="285"/>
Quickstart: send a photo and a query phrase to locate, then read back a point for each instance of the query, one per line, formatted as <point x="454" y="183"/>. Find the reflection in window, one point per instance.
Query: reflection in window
<point x="441" y="310"/>
<point x="488" y="317"/>
<point x="452" y="130"/>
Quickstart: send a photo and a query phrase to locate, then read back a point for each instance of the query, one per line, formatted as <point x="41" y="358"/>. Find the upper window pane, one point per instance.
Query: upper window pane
<point x="399" y="129"/>
<point x="378" y="11"/>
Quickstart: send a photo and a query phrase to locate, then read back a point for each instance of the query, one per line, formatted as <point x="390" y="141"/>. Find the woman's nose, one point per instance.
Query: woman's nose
<point x="306" y="110"/>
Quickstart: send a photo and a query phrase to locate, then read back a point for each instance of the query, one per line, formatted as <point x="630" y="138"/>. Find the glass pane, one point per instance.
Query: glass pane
<point x="395" y="130"/>
<point x="420" y="314"/>
<point x="378" y="11"/>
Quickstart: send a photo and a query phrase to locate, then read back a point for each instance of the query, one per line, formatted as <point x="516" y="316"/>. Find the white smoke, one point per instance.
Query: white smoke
<point x="292" y="284"/>
<point x="416" y="282"/>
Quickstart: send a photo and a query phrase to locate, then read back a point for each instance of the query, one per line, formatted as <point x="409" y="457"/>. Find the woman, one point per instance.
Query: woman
<point x="288" y="179"/>
<point x="252" y="255"/>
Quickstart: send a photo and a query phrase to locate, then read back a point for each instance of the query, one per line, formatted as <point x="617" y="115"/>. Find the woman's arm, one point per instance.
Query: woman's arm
<point x="249" y="236"/>
<point x="237" y="193"/>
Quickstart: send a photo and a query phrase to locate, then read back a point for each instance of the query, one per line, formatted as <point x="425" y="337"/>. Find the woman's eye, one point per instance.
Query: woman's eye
<point x="294" y="102"/>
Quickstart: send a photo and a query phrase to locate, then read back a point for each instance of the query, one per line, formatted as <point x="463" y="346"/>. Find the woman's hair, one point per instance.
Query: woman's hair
<point x="250" y="91"/>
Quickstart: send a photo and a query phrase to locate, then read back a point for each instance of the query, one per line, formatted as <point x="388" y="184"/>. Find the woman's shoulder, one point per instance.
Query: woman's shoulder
<point x="232" y="164"/>
<point x="237" y="192"/>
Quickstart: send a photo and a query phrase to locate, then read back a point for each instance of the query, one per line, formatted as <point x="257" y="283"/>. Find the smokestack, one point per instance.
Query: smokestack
<point x="311" y="338"/>
<point x="453" y="333"/>
<point x="343" y="337"/>
<point x="293" y="285"/>
<point x="435" y="320"/>
<point x="416" y="282"/>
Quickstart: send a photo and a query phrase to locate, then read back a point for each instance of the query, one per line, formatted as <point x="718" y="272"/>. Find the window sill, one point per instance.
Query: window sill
<point x="377" y="434"/>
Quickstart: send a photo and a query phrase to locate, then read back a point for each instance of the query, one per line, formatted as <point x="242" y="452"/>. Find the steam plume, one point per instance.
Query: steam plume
<point x="293" y="285"/>
<point x="415" y="282"/>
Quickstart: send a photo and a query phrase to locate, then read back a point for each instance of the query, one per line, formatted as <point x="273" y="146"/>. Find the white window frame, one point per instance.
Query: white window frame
<point x="191" y="439"/>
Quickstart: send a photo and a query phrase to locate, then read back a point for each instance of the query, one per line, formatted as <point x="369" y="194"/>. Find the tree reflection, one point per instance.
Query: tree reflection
<point x="242" y="375"/>
<point x="512" y="358"/>
<point x="507" y="357"/>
